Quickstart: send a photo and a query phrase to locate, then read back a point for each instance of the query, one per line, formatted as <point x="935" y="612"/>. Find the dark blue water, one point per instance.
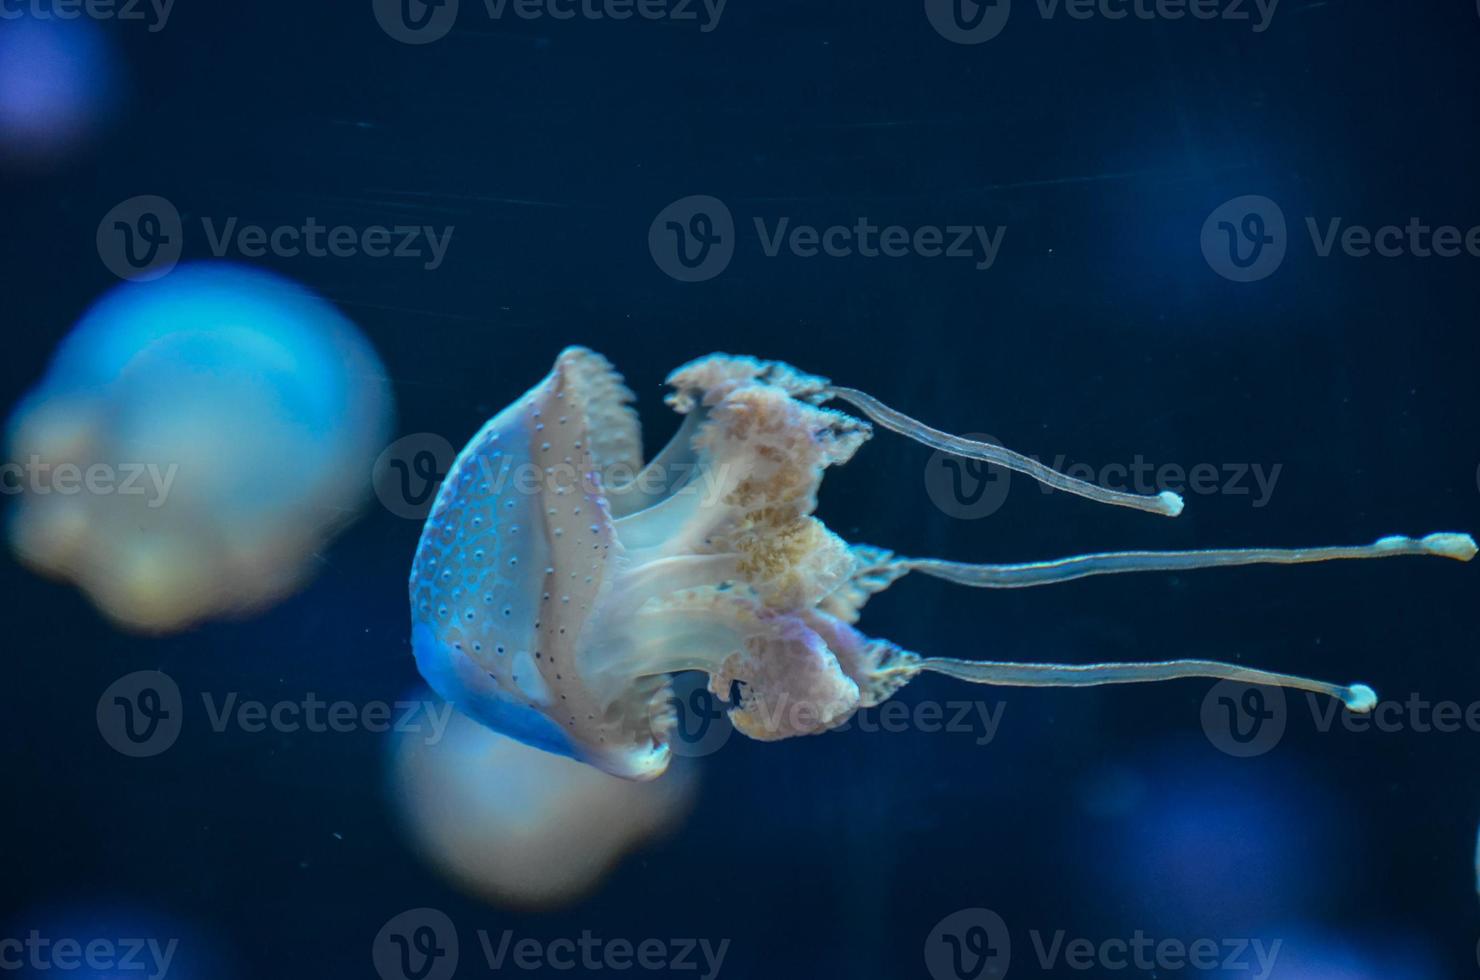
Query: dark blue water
<point x="1101" y="332"/>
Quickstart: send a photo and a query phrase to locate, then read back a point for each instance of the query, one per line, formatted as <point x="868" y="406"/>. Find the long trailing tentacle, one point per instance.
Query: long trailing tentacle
<point x="1460" y="547"/>
<point x="1357" y="697"/>
<point x="878" y="569"/>
<point x="898" y="669"/>
<point x="1166" y="503"/>
<point x="886" y="668"/>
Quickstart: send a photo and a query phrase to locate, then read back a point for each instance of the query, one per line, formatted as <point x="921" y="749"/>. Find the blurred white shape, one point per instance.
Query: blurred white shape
<point x="1204" y="838"/>
<point x="520" y="826"/>
<point x="195" y="441"/>
<point x="1380" y="952"/>
<point x="58" y="81"/>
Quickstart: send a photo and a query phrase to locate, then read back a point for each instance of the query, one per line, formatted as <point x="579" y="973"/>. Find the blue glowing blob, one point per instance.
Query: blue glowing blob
<point x="249" y="409"/>
<point x="1380" y="951"/>
<point x="1198" y="840"/>
<point x="103" y="939"/>
<point x="58" y="80"/>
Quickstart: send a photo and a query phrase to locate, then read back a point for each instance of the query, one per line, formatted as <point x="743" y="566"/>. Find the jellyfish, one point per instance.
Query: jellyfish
<point x="560" y="581"/>
<point x="194" y="444"/>
<point x="520" y="826"/>
<point x="93" y="936"/>
<point x="59" y="81"/>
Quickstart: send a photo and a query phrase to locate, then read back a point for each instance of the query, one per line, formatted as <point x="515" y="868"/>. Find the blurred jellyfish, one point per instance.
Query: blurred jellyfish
<point x="520" y="826"/>
<point x="1379" y="953"/>
<point x="58" y="81"/>
<point x="195" y="441"/>
<point x="1196" y="840"/>
<point x="105" y="939"/>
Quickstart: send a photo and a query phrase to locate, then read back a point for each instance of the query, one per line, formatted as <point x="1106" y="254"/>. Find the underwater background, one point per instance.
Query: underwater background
<point x="1148" y="278"/>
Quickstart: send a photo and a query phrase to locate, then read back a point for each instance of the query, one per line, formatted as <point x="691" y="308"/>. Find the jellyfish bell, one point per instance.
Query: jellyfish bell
<point x="222" y="419"/>
<point x="552" y="598"/>
<point x="517" y="825"/>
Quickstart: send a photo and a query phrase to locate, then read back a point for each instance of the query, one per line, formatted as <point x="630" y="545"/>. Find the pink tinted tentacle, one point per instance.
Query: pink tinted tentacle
<point x="1357" y="697"/>
<point x="1166" y="503"/>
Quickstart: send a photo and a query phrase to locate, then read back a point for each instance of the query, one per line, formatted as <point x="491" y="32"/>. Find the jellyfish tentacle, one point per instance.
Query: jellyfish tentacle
<point x="1460" y="547"/>
<point x="1166" y="503"/>
<point x="1357" y="697"/>
<point x="556" y="612"/>
<point x="874" y="570"/>
<point x="666" y="576"/>
<point x="668" y="473"/>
